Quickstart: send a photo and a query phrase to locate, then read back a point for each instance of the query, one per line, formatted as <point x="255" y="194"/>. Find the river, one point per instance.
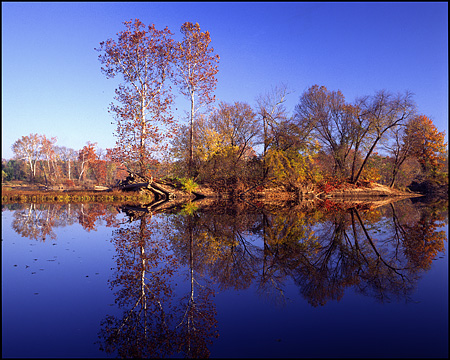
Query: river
<point x="96" y="280"/>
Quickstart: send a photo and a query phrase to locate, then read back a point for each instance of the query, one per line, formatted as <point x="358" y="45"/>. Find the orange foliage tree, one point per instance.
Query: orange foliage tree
<point x="142" y="55"/>
<point x="426" y="143"/>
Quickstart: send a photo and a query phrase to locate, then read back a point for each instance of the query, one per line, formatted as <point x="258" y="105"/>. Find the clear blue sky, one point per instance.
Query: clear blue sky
<point x="52" y="83"/>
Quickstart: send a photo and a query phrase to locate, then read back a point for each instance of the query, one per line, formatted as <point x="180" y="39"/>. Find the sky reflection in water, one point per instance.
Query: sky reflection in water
<point x="93" y="281"/>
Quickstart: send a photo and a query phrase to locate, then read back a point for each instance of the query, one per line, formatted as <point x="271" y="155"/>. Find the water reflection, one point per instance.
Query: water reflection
<point x="155" y="322"/>
<point x="169" y="264"/>
<point x="37" y="221"/>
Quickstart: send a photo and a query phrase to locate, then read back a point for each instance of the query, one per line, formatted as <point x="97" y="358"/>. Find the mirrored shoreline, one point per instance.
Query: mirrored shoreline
<point x="168" y="272"/>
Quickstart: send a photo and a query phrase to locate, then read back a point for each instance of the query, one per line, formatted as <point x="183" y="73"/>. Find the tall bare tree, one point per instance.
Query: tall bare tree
<point x="272" y="112"/>
<point x="383" y="112"/>
<point x="327" y="116"/>
<point x="357" y="128"/>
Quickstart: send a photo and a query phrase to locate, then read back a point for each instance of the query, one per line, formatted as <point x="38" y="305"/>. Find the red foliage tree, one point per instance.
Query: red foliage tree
<point x="142" y="55"/>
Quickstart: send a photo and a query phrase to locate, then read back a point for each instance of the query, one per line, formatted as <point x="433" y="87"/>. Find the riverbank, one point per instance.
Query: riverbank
<point x="344" y="192"/>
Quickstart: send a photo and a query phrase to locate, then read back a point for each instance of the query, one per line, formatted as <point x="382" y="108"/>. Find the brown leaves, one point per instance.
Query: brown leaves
<point x="142" y="55"/>
<point x="196" y="64"/>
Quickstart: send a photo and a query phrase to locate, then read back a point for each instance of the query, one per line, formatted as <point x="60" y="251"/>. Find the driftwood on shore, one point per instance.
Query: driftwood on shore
<point x="139" y="183"/>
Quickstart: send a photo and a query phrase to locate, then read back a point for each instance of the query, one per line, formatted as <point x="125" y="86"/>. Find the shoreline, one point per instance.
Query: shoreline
<point x="350" y="193"/>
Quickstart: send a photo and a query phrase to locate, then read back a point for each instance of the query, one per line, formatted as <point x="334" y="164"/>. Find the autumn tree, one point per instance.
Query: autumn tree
<point x="67" y="155"/>
<point x="326" y="115"/>
<point x="142" y="56"/>
<point x="226" y="140"/>
<point x="235" y="126"/>
<point x="352" y="131"/>
<point x="86" y="157"/>
<point x="426" y="144"/>
<point x="48" y="153"/>
<point x="383" y="112"/>
<point x="290" y="156"/>
<point x="196" y="69"/>
<point x="114" y="169"/>
<point x="272" y="112"/>
<point x="28" y="148"/>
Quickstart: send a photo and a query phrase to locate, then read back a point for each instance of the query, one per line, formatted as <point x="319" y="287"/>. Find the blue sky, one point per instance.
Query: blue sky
<point x="52" y="83"/>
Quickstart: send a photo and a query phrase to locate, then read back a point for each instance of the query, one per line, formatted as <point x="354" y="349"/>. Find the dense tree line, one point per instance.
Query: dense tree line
<point x="380" y="137"/>
<point x="296" y="150"/>
<point x="377" y="138"/>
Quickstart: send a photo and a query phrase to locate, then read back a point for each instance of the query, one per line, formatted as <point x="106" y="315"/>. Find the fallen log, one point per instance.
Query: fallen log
<point x="167" y="195"/>
<point x="138" y="182"/>
<point x="133" y="187"/>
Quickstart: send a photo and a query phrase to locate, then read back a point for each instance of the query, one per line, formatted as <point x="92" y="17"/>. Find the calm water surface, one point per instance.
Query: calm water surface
<point x="91" y="280"/>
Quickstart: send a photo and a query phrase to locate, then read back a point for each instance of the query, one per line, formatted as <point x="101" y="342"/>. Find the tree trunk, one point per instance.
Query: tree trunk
<point x="191" y="138"/>
<point x="32" y="170"/>
<point x="365" y="160"/>
<point x="143" y="135"/>
<point x="394" y="174"/>
<point x="265" y="146"/>
<point x="355" y="157"/>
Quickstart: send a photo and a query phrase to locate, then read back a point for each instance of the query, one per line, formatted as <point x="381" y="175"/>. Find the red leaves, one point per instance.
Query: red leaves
<point x="142" y="55"/>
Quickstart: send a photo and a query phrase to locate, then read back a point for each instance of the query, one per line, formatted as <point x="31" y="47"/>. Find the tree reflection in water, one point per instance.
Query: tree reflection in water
<point x="155" y="323"/>
<point x="379" y="252"/>
<point x="37" y="221"/>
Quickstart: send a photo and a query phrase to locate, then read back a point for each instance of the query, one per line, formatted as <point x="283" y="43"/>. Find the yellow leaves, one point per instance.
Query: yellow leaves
<point x="288" y="165"/>
<point x="212" y="144"/>
<point x="294" y="232"/>
<point x="278" y="163"/>
<point x="214" y="247"/>
<point x="371" y="174"/>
